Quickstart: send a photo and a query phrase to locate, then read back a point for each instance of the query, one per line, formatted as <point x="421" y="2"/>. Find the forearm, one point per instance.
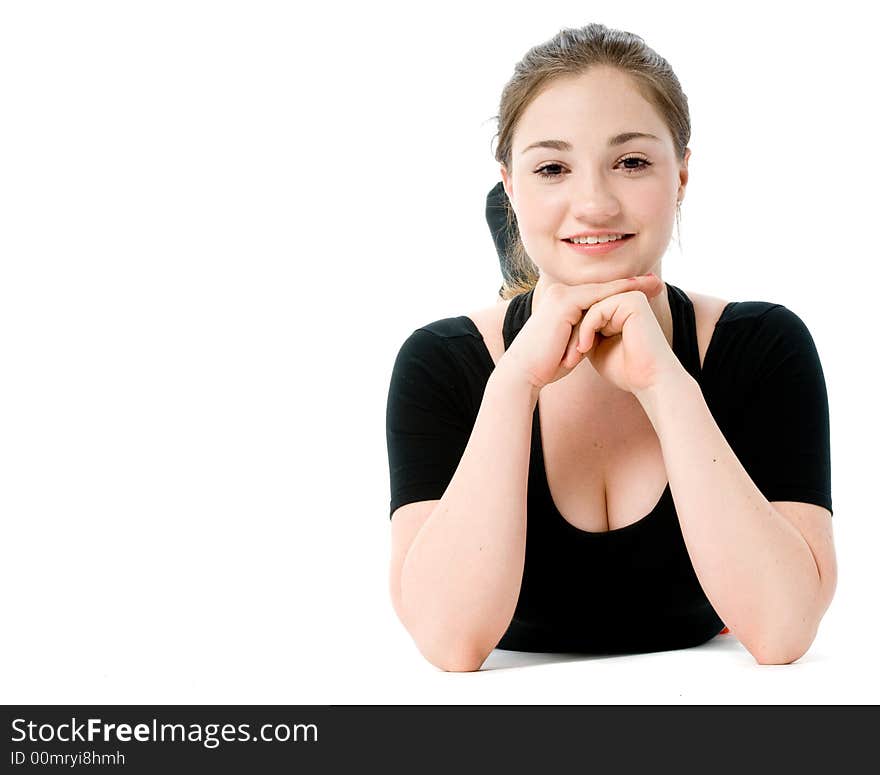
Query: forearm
<point x="754" y="566"/>
<point x="461" y="577"/>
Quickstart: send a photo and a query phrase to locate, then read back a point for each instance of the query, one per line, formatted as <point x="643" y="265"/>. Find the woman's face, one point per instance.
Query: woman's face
<point x="590" y="186"/>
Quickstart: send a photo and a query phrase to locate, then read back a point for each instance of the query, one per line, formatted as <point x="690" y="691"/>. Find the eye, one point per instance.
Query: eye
<point x="629" y="170"/>
<point x="639" y="168"/>
<point x="541" y="173"/>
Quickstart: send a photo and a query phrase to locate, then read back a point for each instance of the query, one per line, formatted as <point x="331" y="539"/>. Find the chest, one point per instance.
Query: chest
<point x="603" y="464"/>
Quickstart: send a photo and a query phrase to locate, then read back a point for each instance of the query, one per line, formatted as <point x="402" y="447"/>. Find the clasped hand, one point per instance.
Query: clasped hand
<point x="612" y="324"/>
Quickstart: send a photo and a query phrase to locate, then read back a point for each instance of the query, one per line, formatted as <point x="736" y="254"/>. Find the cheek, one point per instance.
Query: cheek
<point x="542" y="209"/>
<point x="652" y="203"/>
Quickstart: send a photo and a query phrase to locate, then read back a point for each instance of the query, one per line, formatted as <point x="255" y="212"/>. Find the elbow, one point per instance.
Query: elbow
<point x="457" y="662"/>
<point x="785" y="642"/>
<point x="778" y="657"/>
<point x="783" y="651"/>
<point x="450" y="655"/>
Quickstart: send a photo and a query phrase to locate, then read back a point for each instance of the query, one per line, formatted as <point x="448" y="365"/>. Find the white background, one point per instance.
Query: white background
<point x="218" y="223"/>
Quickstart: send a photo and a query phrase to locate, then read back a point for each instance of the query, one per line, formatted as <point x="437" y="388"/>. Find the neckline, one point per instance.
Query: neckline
<point x="685" y="347"/>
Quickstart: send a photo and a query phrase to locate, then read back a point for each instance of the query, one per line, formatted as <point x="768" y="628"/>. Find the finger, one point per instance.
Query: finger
<point x="572" y="356"/>
<point x="597" y="318"/>
<point x="586" y="337"/>
<point x="656" y="285"/>
<point x="650" y="285"/>
<point x="590" y="293"/>
<point x="585" y="333"/>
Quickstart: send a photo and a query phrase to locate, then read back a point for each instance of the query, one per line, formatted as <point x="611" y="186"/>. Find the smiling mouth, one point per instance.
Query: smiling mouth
<point x="619" y="239"/>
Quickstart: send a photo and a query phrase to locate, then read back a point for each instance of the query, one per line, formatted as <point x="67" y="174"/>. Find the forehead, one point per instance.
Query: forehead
<point x="587" y="109"/>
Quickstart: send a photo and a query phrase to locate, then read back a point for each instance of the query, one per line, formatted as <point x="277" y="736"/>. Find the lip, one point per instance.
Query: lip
<point x="598" y="249"/>
<point x="601" y="233"/>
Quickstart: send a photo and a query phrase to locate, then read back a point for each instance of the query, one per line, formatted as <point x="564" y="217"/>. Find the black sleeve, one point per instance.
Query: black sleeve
<point x="426" y="429"/>
<point x="785" y="431"/>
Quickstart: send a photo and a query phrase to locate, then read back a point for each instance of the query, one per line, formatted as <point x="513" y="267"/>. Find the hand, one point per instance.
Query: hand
<point x="545" y="350"/>
<point x="622" y="338"/>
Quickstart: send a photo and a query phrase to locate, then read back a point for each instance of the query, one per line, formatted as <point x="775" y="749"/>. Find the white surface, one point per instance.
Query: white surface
<point x="219" y="223"/>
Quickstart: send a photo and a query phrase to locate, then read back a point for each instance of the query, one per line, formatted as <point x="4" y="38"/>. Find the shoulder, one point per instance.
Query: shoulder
<point x="753" y="326"/>
<point x="707" y="313"/>
<point x="707" y="309"/>
<point x="764" y="320"/>
<point x="752" y="339"/>
<point x="489" y="321"/>
<point x="778" y="335"/>
<point x="443" y="344"/>
<point x="438" y="333"/>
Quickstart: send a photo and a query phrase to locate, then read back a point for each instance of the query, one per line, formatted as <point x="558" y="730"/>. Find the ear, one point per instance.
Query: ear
<point x="683" y="174"/>
<point x="505" y="179"/>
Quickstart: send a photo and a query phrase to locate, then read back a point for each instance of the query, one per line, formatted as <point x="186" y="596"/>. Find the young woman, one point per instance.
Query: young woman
<point x="601" y="462"/>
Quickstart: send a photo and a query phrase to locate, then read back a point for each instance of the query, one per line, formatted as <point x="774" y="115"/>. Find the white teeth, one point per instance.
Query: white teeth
<point x="595" y="240"/>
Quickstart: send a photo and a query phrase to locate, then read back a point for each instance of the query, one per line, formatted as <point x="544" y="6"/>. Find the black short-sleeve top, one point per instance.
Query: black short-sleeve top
<point x="632" y="589"/>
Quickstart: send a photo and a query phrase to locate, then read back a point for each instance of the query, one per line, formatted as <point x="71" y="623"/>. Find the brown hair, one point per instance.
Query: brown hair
<point x="573" y="51"/>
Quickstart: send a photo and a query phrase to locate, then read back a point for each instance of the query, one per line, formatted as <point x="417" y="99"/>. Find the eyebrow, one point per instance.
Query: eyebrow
<point x="563" y="145"/>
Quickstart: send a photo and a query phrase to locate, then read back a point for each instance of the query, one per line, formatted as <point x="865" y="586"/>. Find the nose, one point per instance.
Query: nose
<point x="593" y="200"/>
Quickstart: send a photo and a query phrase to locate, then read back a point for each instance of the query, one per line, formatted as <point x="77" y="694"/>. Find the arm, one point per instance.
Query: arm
<point x="461" y="577"/>
<point x="755" y="567"/>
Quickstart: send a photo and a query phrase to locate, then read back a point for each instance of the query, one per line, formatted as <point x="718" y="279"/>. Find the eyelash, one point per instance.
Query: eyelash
<point x="628" y="170"/>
